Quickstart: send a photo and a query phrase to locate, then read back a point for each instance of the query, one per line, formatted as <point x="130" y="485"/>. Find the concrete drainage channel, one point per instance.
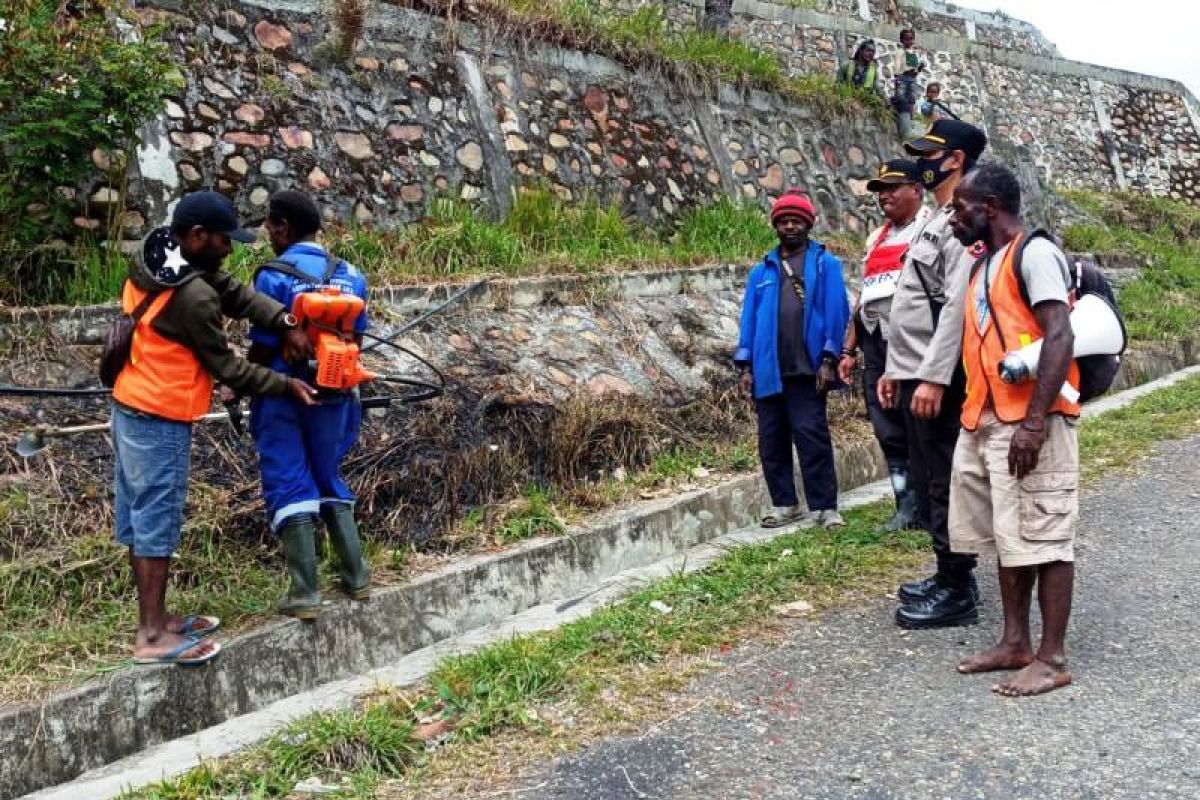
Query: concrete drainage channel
<point x="140" y="725"/>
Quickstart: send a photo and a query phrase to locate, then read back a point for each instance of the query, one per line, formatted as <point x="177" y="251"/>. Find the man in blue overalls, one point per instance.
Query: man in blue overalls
<point x="301" y="449"/>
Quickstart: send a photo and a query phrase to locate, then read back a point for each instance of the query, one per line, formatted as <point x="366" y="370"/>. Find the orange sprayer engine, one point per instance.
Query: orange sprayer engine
<point x="328" y="316"/>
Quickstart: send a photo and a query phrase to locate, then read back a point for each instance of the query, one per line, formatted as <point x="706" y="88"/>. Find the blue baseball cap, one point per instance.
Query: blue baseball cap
<point x="212" y="211"/>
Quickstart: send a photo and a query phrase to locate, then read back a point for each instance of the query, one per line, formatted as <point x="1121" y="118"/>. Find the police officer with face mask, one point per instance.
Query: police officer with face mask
<point x="924" y="377"/>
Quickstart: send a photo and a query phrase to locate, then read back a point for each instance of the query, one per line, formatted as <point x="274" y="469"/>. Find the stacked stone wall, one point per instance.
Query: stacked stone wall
<point x="424" y="108"/>
<point x="1156" y="141"/>
<point x="1054" y="118"/>
<point x="998" y="72"/>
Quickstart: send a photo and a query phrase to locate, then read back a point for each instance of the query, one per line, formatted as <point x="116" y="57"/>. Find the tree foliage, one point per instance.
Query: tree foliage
<point x="74" y="77"/>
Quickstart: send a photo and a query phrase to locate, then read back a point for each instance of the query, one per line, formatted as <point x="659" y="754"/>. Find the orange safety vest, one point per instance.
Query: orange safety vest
<point x="161" y="377"/>
<point x="983" y="352"/>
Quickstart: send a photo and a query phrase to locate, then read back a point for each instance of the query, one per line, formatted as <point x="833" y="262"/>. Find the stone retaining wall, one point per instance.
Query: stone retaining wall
<point x="425" y="107"/>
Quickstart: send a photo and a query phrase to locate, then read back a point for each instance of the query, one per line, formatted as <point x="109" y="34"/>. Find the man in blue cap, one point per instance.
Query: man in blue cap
<point x="179" y="298"/>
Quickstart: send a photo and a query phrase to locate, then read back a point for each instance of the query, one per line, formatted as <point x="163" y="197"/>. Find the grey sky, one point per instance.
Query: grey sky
<point x="1157" y="37"/>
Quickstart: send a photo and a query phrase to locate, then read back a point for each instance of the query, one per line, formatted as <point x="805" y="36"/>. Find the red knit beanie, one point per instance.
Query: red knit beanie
<point x="794" y="202"/>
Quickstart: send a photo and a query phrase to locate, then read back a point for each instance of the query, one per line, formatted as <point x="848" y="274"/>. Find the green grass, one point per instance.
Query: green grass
<point x="352" y="750"/>
<point x="1163" y="303"/>
<point x="532" y="515"/>
<point x="500" y="688"/>
<point x="541" y="235"/>
<point x="644" y="39"/>
<point x="1120" y="439"/>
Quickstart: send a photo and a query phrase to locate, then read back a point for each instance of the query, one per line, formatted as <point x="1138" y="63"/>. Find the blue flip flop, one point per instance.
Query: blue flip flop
<point x="176" y="656"/>
<point x="189" y="626"/>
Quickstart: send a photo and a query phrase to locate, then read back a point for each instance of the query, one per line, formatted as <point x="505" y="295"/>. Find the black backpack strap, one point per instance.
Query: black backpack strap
<point x="279" y="265"/>
<point x="141" y="308"/>
<point x="331" y="265"/>
<point x="1019" y="257"/>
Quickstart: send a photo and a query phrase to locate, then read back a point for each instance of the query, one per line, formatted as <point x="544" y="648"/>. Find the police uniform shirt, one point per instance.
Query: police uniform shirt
<point x="916" y="349"/>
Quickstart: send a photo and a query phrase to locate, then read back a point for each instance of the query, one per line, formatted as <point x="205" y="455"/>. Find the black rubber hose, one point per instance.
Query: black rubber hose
<point x="42" y="391"/>
<point x="430" y="390"/>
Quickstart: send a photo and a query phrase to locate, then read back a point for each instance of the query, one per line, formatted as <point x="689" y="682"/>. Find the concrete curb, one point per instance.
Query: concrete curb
<point x="179" y="755"/>
<point x="132" y="710"/>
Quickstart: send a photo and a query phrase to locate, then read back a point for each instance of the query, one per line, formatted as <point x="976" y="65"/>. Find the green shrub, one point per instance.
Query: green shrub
<point x="70" y="83"/>
<point x="1164" y="301"/>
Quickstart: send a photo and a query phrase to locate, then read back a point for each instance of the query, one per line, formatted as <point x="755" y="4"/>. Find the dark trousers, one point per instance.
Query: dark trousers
<point x="888" y="423"/>
<point x="797" y="417"/>
<point x="930" y="455"/>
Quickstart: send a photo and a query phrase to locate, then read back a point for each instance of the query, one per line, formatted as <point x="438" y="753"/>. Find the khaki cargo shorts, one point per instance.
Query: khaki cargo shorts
<point x="1026" y="522"/>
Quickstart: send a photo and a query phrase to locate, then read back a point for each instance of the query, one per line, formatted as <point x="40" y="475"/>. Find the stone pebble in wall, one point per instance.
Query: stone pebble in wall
<point x="610" y="139"/>
<point x="261" y="111"/>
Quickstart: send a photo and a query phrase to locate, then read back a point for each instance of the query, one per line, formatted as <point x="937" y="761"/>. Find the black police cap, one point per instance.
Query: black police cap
<point x="891" y="173"/>
<point x="950" y="134"/>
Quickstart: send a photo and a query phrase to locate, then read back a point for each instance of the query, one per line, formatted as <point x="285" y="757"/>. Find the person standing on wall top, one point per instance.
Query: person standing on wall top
<point x="901" y="197"/>
<point x="794" y="315"/>
<point x="907" y="67"/>
<point x="179" y="297"/>
<point x="861" y="71"/>
<point x="301" y="447"/>
<point x="924" y="376"/>
<point x="1015" y="485"/>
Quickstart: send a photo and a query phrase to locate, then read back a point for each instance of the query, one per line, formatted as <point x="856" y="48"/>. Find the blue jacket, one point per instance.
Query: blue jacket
<point x="826" y="313"/>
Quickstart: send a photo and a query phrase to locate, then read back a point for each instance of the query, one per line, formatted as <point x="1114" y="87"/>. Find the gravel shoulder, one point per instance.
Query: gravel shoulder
<point x="849" y="706"/>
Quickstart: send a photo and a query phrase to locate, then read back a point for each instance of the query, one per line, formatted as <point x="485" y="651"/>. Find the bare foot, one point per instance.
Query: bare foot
<point x="1001" y="656"/>
<point x="1037" y="678"/>
<point x="169" y="641"/>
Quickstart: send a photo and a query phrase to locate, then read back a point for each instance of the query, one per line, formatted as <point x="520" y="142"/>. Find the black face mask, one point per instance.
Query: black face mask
<point x="930" y="171"/>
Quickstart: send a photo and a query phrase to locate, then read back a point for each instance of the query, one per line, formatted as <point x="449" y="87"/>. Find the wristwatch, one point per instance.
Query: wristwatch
<point x="288" y="321"/>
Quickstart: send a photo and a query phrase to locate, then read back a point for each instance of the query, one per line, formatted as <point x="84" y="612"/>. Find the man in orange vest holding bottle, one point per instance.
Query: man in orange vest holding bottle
<point x="1015" y="481"/>
<point x="180" y="298"/>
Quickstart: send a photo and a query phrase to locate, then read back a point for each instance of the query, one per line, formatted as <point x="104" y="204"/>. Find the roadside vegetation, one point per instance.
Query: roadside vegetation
<point x="548" y="688"/>
<point x="72" y="98"/>
<point x="1163" y="235"/>
<point x="543" y="235"/>
<point x="69" y="606"/>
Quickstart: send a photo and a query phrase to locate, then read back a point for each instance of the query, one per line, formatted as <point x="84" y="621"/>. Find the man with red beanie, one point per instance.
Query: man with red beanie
<point x="794" y="313"/>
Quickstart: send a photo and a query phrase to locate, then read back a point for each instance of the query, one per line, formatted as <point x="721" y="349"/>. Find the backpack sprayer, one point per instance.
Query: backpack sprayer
<point x="330" y="316"/>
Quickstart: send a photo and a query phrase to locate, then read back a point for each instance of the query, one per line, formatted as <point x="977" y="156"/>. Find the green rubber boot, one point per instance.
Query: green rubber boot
<point x="303" y="599"/>
<point x="343" y="535"/>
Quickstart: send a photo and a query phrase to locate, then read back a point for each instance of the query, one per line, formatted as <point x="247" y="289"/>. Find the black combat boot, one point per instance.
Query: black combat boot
<point x="916" y="591"/>
<point x="946" y="606"/>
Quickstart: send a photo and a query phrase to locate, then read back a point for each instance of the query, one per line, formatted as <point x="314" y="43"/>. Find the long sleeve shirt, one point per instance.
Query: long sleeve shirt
<point x="918" y="347"/>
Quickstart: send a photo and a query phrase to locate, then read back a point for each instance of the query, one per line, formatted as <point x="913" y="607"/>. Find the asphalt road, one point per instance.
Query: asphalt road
<point x="850" y="707"/>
